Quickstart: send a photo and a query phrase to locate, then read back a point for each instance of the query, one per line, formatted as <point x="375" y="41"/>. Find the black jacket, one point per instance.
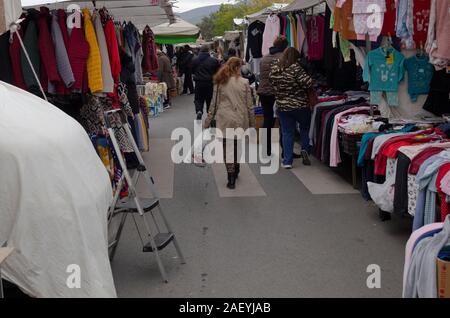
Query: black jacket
<point x="185" y="63"/>
<point x="255" y="40"/>
<point x="204" y="67"/>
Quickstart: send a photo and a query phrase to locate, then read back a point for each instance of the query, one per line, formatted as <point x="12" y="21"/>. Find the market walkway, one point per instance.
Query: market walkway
<point x="300" y="233"/>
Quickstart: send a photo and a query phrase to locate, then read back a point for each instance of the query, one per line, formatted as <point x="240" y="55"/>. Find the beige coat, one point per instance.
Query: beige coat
<point x="234" y="105"/>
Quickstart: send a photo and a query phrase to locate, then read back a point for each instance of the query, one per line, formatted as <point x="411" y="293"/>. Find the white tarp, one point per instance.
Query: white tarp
<point x="54" y="197"/>
<point x="10" y="11"/>
<point x="140" y="12"/>
<point x="180" y="27"/>
<point x="263" y="14"/>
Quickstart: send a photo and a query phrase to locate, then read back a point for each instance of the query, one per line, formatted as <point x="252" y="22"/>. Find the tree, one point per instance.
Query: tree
<point x="222" y="20"/>
<point x="207" y="27"/>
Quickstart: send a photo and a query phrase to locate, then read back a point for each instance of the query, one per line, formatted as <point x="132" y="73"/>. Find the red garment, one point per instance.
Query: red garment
<point x="330" y="99"/>
<point x="421" y="20"/>
<point x="443" y="170"/>
<point x="390" y="17"/>
<point x="49" y="71"/>
<point x="445" y="211"/>
<point x="15" y="51"/>
<point x="150" y="60"/>
<point x="113" y="50"/>
<point x="381" y="158"/>
<point x="61" y="88"/>
<point x="78" y="52"/>
<point x="315" y="35"/>
<point x="418" y="160"/>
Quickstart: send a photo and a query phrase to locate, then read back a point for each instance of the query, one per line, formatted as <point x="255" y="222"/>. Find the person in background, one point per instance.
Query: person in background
<point x="218" y="54"/>
<point x="204" y="67"/>
<point x="165" y="74"/>
<point x="185" y="67"/>
<point x="232" y="108"/>
<point x="231" y="53"/>
<point x="266" y="91"/>
<point x="291" y="84"/>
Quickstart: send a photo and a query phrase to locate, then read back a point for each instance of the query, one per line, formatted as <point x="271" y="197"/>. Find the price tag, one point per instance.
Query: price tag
<point x="390" y="59"/>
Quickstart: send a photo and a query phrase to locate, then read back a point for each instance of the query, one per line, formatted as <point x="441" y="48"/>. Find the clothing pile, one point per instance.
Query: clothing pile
<point x="424" y="249"/>
<point x="329" y="114"/>
<point x="406" y="170"/>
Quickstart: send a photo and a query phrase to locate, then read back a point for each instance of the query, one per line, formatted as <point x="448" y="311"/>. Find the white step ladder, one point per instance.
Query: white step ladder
<point x="134" y="205"/>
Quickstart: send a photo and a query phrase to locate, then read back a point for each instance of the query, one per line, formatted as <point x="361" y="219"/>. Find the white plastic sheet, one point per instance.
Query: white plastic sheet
<point x="54" y="197"/>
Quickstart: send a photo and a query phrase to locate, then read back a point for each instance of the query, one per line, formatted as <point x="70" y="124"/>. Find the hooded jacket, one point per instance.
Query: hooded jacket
<point x="265" y="88"/>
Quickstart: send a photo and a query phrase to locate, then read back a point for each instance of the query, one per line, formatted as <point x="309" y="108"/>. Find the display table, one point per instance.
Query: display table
<point x="350" y="145"/>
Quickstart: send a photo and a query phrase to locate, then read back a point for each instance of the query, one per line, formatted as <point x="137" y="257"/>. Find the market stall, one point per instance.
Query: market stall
<point x="102" y="63"/>
<point x="175" y="33"/>
<point x="383" y="98"/>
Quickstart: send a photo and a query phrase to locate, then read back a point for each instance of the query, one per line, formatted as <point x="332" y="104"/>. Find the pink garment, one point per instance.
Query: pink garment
<point x="368" y="6"/>
<point x="442" y="29"/>
<point x="412" y="242"/>
<point x="335" y="153"/>
<point x="315" y="33"/>
<point x="364" y="12"/>
<point x="300" y="33"/>
<point x="271" y="32"/>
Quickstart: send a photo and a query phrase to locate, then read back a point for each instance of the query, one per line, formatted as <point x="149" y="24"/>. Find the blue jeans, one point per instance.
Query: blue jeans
<point x="288" y="121"/>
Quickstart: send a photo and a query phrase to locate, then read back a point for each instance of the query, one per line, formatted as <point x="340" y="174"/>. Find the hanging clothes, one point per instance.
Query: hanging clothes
<point x="301" y="35"/>
<point x="113" y="50"/>
<point x="343" y="20"/>
<point x="6" y="72"/>
<point x="78" y="52"/>
<point x="30" y="41"/>
<point x="255" y="40"/>
<point x="108" y="82"/>
<point x="272" y="30"/>
<point x="421" y="20"/>
<point x="316" y="28"/>
<point x="420" y="74"/>
<point x="150" y="60"/>
<point x="94" y="62"/>
<point x="368" y="17"/>
<point x="62" y="59"/>
<point x="47" y="50"/>
<point x="389" y="18"/>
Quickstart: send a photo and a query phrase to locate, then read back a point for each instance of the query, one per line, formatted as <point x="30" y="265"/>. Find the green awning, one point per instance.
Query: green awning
<point x="176" y="39"/>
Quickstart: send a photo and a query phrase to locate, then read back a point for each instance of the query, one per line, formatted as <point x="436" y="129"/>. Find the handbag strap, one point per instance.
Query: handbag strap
<point x="216" y="102"/>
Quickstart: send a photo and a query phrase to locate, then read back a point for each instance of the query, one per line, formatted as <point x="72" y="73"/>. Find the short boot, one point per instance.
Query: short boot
<point x="231" y="181"/>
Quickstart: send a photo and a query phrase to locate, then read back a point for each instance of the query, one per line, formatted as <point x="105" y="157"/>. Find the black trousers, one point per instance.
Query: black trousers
<point x="267" y="103"/>
<point x="203" y="94"/>
<point x="232" y="167"/>
<point x="188" y="83"/>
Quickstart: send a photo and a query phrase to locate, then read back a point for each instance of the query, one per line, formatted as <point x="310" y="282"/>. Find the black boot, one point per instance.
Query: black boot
<point x="237" y="171"/>
<point x="231" y="181"/>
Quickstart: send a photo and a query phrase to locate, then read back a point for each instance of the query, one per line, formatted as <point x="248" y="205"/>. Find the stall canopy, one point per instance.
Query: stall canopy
<point x="306" y="4"/>
<point x="263" y="14"/>
<point x="176" y="33"/>
<point x="140" y="12"/>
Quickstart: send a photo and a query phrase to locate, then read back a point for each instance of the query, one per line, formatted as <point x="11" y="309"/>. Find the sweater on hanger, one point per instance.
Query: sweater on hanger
<point x="47" y="48"/>
<point x="255" y="40"/>
<point x="108" y="82"/>
<point x="94" y="62"/>
<point x="78" y="52"/>
<point x="113" y="50"/>
<point x="62" y="59"/>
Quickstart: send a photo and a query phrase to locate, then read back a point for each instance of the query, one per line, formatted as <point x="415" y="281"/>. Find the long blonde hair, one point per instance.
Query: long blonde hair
<point x="232" y="68"/>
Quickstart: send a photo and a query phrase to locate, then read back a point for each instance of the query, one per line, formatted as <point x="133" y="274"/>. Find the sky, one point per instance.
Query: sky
<point x="179" y="6"/>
